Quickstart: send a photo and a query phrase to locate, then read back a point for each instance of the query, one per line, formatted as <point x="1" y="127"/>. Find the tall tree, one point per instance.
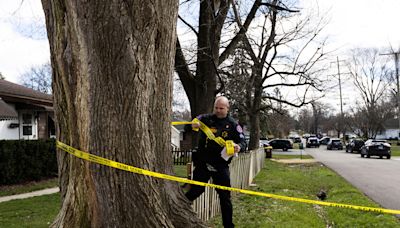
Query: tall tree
<point x="371" y="77"/>
<point x="368" y="123"/>
<point x="200" y="82"/>
<point x="38" y="78"/>
<point x="112" y="75"/>
<point x="273" y="66"/>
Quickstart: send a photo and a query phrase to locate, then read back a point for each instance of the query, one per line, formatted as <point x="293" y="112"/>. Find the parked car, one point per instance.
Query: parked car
<point x="283" y="144"/>
<point x="334" y="144"/>
<point x="264" y="142"/>
<point x="297" y="139"/>
<point x="312" y="142"/>
<point x="354" y="145"/>
<point x="376" y="147"/>
<point x="324" y="140"/>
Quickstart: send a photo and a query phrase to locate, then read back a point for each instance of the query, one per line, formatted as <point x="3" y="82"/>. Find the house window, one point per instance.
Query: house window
<point x="27" y="130"/>
<point x="27" y="124"/>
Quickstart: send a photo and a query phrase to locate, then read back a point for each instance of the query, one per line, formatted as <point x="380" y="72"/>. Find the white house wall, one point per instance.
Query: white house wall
<point x="175" y="138"/>
<point x="6" y="132"/>
<point x="388" y="134"/>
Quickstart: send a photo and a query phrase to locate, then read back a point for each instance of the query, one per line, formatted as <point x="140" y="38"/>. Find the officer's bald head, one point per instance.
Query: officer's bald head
<point x="221" y="107"/>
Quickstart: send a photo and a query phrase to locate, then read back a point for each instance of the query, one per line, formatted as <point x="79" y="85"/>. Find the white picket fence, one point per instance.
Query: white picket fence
<point x="242" y="169"/>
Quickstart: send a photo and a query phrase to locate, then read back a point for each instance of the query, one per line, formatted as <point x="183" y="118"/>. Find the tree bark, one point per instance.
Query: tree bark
<point x="201" y="87"/>
<point x="254" y="107"/>
<point x="112" y="81"/>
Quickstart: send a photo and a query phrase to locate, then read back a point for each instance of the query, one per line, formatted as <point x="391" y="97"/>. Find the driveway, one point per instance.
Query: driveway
<point x="378" y="178"/>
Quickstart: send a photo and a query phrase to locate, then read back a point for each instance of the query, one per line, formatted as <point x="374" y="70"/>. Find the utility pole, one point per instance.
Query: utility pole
<point x="341" y="100"/>
<point x="396" y="64"/>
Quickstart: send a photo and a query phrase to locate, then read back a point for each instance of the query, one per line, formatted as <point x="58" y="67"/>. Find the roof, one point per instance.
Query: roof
<point x="7" y="112"/>
<point x="16" y="93"/>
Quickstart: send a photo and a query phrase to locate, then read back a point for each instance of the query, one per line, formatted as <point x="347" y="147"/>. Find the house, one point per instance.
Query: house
<point x="391" y="131"/>
<point x="25" y="113"/>
<point x="175" y="138"/>
<point x="185" y="134"/>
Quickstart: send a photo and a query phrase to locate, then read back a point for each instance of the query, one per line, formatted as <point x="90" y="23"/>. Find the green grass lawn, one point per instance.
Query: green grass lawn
<point x="395" y="150"/>
<point x="33" y="212"/>
<point x="28" y="187"/>
<point x="303" y="181"/>
<point x="180" y="170"/>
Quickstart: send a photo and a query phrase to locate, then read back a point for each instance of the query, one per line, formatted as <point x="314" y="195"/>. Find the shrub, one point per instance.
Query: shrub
<point x="27" y="160"/>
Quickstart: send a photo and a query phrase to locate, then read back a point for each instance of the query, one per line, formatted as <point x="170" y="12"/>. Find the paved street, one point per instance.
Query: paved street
<point x="377" y="178"/>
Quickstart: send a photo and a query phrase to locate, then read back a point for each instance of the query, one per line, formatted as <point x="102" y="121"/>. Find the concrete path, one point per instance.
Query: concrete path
<point x="47" y="191"/>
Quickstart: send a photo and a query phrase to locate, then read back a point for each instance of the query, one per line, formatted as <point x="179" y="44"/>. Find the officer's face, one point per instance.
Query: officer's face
<point x="221" y="109"/>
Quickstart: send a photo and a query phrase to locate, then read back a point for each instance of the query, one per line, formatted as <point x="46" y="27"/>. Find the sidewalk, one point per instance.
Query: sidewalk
<point x="47" y="191"/>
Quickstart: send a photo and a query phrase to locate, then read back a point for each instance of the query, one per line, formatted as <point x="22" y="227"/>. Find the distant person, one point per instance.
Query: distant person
<point x="209" y="162"/>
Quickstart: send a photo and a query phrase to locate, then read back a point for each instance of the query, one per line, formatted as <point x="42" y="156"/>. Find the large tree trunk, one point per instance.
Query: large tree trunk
<point x="201" y="87"/>
<point x="254" y="107"/>
<point x="112" y="64"/>
<point x="206" y="79"/>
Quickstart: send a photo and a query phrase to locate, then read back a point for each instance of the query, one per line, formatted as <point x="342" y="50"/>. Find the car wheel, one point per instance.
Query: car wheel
<point x="380" y="157"/>
<point x="285" y="149"/>
<point x="388" y="157"/>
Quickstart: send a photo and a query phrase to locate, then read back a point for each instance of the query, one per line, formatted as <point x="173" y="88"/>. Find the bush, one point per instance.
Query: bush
<point x="27" y="160"/>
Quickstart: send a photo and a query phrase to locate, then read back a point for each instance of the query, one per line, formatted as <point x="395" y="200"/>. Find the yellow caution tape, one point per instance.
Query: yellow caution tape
<point x="230" y="150"/>
<point x="121" y="166"/>
<point x="181" y="123"/>
<point x="268" y="147"/>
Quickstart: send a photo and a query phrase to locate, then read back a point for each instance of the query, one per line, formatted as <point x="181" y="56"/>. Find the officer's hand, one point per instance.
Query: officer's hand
<point x="195" y="125"/>
<point x="237" y="148"/>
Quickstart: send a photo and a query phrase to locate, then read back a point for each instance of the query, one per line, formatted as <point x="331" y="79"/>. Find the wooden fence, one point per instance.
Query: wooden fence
<point x="242" y="169"/>
<point x="182" y="157"/>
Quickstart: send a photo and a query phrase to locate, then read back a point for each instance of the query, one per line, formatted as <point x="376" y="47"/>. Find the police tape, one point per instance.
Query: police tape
<point x="230" y="150"/>
<point x="121" y="166"/>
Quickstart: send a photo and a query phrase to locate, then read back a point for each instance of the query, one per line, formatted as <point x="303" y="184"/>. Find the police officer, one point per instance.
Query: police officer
<point x="209" y="162"/>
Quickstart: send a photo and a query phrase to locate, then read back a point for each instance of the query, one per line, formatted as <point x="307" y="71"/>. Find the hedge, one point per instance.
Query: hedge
<point x="27" y="160"/>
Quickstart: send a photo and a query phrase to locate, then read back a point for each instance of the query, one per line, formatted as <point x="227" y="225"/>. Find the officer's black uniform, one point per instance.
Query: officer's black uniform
<point x="209" y="163"/>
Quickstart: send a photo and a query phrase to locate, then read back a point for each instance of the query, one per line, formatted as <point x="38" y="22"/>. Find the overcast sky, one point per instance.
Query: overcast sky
<point x="23" y="41"/>
<point x="353" y="23"/>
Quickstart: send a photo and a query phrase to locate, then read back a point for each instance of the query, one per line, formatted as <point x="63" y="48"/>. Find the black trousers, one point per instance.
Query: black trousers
<point x="220" y="177"/>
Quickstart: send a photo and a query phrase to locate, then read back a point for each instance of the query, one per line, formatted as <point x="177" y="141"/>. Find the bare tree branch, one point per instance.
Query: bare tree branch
<point x="188" y="25"/>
